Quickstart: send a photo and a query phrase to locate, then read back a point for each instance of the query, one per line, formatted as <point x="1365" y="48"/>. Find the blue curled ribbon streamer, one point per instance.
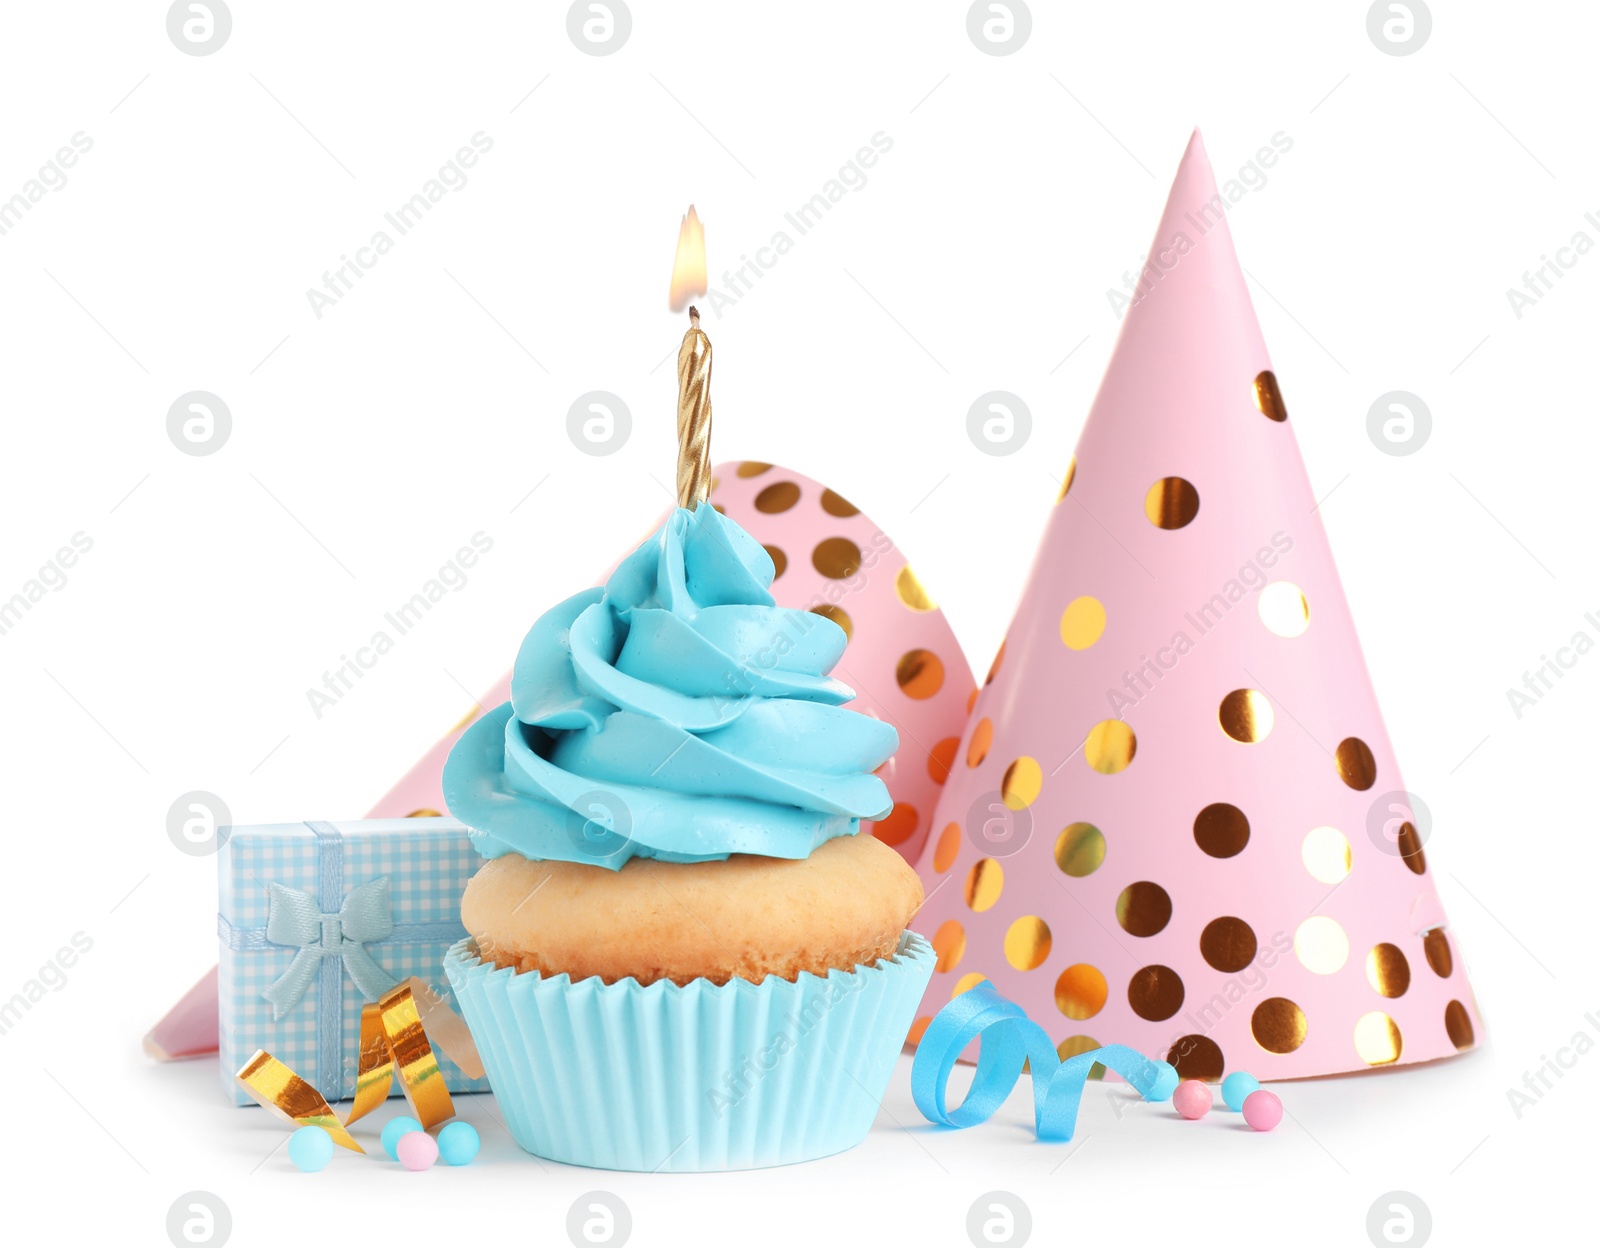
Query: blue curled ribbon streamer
<point x="1007" y="1037"/>
<point x="294" y="918"/>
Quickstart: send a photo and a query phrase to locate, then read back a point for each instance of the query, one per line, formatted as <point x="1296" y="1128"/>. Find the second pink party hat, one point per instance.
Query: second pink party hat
<point x="1175" y="820"/>
<point x="902" y="660"/>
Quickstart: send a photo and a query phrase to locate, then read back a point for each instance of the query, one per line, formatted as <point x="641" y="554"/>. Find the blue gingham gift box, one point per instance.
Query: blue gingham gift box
<point x="316" y="919"/>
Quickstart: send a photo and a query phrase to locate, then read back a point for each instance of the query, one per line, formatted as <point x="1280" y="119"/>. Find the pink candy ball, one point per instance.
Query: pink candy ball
<point x="1263" y="1110"/>
<point x="1192" y="1099"/>
<point x="416" y="1150"/>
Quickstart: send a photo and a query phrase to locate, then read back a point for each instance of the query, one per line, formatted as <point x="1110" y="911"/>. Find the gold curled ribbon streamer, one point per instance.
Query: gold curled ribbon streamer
<point x="289" y="1096"/>
<point x="394" y="1040"/>
<point x="446" y="1029"/>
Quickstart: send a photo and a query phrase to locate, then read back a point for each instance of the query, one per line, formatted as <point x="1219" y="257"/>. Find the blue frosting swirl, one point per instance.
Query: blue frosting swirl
<point x="676" y="714"/>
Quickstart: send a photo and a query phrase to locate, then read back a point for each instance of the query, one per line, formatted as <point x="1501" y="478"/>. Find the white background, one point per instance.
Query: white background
<point x="369" y="444"/>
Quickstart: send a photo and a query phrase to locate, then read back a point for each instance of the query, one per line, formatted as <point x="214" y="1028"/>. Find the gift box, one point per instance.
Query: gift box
<point x="317" y="919"/>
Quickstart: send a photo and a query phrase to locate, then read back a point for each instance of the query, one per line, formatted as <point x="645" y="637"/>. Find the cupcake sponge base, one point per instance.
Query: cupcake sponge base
<point x="747" y="917"/>
<point x="694" y="1078"/>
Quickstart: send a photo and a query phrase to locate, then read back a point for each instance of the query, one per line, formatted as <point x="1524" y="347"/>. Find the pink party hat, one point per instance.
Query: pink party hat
<point x="902" y="660"/>
<point x="1175" y="820"/>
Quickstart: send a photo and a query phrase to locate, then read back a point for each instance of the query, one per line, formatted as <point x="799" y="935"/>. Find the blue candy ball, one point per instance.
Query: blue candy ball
<point x="310" y="1149"/>
<point x="458" y="1143"/>
<point x="393" y="1130"/>
<point x="1166" y="1082"/>
<point x="1236" y="1087"/>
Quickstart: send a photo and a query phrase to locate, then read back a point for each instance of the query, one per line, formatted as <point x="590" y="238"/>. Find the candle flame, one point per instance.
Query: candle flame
<point x="689" y="265"/>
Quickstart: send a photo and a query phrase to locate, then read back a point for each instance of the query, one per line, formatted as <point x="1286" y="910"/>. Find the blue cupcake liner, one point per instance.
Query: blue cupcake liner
<point x="703" y="1077"/>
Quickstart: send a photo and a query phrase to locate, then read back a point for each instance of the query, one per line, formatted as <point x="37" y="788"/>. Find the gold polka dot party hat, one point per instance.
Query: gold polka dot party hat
<point x="1174" y="819"/>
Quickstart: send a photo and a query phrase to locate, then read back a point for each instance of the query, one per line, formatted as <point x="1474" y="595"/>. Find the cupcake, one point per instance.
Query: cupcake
<point x="683" y="954"/>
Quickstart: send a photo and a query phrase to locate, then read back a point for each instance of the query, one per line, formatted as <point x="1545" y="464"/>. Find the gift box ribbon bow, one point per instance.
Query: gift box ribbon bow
<point x="295" y="919"/>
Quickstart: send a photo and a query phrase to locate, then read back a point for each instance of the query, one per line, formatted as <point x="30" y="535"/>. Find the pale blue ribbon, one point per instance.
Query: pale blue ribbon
<point x="1008" y="1038"/>
<point x="294" y="918"/>
<point x="330" y="931"/>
